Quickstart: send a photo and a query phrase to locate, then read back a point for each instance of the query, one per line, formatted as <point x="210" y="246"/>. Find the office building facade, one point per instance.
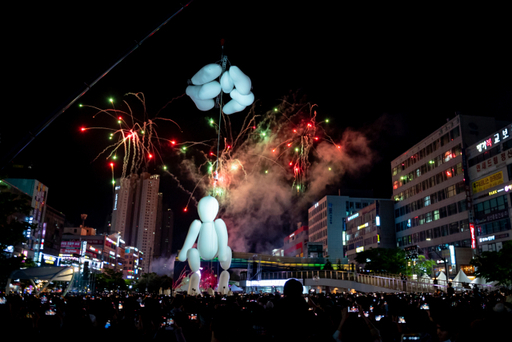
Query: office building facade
<point x="371" y="227"/>
<point x="432" y="195"/>
<point x="326" y="224"/>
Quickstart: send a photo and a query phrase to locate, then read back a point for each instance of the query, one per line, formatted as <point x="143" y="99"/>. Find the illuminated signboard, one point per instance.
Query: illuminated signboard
<point x="350" y="218"/>
<point x="473" y="235"/>
<point x="362" y="226"/>
<point x="487" y="182"/>
<point x="497" y="138"/>
<point x="452" y="254"/>
<point x="488" y="238"/>
<point x="377" y="220"/>
<point x="359" y="249"/>
<point x="271" y="282"/>
<point x="507" y="188"/>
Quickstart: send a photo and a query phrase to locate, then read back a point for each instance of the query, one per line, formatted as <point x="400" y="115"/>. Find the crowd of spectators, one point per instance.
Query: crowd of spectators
<point x="291" y="316"/>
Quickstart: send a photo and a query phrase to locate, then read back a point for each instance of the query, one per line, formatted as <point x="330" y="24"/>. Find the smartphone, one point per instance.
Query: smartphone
<point x="3" y="300"/>
<point x="120" y="306"/>
<point x="353" y="309"/>
<point x="310" y="309"/>
<point x="107" y="325"/>
<point x="401" y="319"/>
<point x="192" y="317"/>
<point x="366" y="314"/>
<point x="141" y="305"/>
<point x="378" y="317"/>
<point x="411" y="337"/>
<point x="307" y="299"/>
<point x="371" y="308"/>
<point x="425" y="307"/>
<point x="51" y="311"/>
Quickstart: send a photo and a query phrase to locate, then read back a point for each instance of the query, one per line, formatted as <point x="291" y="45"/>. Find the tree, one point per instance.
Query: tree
<point x="422" y="265"/>
<point x="495" y="266"/>
<point x="110" y="280"/>
<point x="383" y="260"/>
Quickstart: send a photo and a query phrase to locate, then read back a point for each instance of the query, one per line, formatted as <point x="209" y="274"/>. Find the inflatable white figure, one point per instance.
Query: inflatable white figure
<point x="212" y="242"/>
<point x="232" y="81"/>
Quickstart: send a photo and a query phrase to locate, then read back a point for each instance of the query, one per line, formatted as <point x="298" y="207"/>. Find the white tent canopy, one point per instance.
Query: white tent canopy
<point x="48" y="273"/>
<point x="441" y="278"/>
<point x="461" y="277"/>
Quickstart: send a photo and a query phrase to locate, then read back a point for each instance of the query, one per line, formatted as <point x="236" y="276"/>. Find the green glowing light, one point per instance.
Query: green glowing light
<point x="330" y="169"/>
<point x="113" y="181"/>
<point x="111" y="100"/>
<point x="80" y="105"/>
<point x="114" y="157"/>
<point x="165" y="167"/>
<point x="266" y="171"/>
<point x="296" y="149"/>
<point x="184" y="148"/>
<point x="327" y="120"/>
<point x="118" y="121"/>
<point x="264" y="134"/>
<point x="275" y="109"/>
<point x="110" y="138"/>
<point x="298" y="187"/>
<point x="142" y="132"/>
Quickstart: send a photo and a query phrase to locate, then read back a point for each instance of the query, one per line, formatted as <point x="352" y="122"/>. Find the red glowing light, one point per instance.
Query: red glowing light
<point x="150" y="156"/>
<point x="253" y="127"/>
<point x="211" y="153"/>
<point x="119" y="118"/>
<point x="309" y="125"/>
<point x="290" y="144"/>
<point x="291" y="163"/>
<point x="173" y="142"/>
<point x="338" y="146"/>
<point x="294" y="131"/>
<point x="274" y="150"/>
<point x="185" y="209"/>
<point x="111" y="164"/>
<point x="316" y="138"/>
<point x="229" y="146"/>
<point x="83" y="129"/>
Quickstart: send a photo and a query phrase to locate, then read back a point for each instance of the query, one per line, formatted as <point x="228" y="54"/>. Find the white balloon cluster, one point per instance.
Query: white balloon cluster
<point x="233" y="81"/>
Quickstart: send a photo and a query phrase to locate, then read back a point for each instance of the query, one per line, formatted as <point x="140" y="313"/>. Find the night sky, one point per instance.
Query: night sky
<point x="393" y="74"/>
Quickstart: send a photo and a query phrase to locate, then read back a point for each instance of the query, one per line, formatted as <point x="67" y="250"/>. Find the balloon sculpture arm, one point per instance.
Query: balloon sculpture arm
<point x="192" y="234"/>
<point x="222" y="235"/>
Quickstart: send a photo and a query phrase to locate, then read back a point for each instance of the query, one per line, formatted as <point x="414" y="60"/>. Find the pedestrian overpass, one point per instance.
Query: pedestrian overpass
<point x="338" y="280"/>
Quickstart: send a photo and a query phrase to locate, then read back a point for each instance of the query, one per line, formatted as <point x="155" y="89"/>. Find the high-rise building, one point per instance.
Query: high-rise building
<point x="55" y="221"/>
<point x="38" y="193"/>
<point x="431" y="190"/>
<point x="134" y="214"/>
<point x="326" y="223"/>
<point x="490" y="172"/>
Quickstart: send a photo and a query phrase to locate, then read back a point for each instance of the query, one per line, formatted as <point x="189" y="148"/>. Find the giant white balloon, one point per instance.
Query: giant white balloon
<point x="242" y="81"/>
<point x="204" y="105"/>
<point x="244" y="100"/>
<point x="207" y="74"/>
<point x="232" y="107"/>
<point x="209" y="90"/>
<point x="226" y="82"/>
<point x="212" y="240"/>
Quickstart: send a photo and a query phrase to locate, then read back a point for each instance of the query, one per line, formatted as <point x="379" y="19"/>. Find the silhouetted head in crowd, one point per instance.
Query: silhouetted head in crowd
<point x="292" y="288"/>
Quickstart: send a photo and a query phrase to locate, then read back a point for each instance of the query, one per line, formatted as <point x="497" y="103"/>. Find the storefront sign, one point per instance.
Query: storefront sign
<point x="497" y="159"/>
<point x="488" y="182"/>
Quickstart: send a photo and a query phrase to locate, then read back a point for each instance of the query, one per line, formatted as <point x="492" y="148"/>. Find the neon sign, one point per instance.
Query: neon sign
<point x="496" y="139"/>
<point x="473" y="235"/>
<point x="350" y="218"/>
<point x="362" y="226"/>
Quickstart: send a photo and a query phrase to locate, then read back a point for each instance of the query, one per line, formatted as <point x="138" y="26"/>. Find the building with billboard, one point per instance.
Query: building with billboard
<point x="490" y="173"/>
<point x="38" y="193"/>
<point x="432" y="194"/>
